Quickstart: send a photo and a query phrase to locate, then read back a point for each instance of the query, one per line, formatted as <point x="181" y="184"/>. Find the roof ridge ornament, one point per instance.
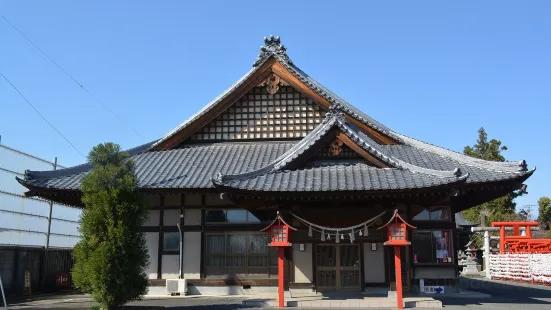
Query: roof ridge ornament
<point x="335" y="111"/>
<point x="523" y="166"/>
<point x="272" y="46"/>
<point x="457" y="172"/>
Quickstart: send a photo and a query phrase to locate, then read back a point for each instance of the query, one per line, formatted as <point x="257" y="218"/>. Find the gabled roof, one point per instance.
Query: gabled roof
<point x="281" y="165"/>
<point x="398" y="173"/>
<point x="274" y="49"/>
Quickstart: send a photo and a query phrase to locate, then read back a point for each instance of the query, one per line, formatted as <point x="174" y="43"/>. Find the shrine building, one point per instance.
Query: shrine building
<point x="277" y="140"/>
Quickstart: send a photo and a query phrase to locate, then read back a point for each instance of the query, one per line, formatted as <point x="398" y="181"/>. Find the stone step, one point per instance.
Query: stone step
<point x="352" y="303"/>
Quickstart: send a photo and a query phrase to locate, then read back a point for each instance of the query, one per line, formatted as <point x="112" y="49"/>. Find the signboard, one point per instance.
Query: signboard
<point x="430" y="289"/>
<point x="62" y="279"/>
<point x="27" y="283"/>
<point x="433" y="290"/>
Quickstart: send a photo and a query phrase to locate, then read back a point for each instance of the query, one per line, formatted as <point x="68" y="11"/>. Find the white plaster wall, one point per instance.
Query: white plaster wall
<point x="170" y="269"/>
<point x="152" y="242"/>
<point x="192" y="255"/>
<point x="374" y="264"/>
<point x="152" y="218"/>
<point x="171" y="217"/>
<point x="192" y="217"/>
<point x="303" y="263"/>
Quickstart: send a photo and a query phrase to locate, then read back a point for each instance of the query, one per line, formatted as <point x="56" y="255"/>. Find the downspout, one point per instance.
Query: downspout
<point x="180" y="275"/>
<point x="3" y="294"/>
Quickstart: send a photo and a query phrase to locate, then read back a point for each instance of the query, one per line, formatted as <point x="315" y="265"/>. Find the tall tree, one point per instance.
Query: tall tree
<point x="111" y="258"/>
<point x="544" y="208"/>
<point x="500" y="209"/>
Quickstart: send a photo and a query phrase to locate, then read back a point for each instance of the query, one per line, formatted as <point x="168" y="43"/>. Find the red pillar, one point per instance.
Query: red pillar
<point x="502" y="239"/>
<point x="398" y="265"/>
<point x="280" y="276"/>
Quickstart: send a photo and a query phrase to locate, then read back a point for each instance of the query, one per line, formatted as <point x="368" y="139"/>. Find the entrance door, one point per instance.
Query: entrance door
<point x="338" y="267"/>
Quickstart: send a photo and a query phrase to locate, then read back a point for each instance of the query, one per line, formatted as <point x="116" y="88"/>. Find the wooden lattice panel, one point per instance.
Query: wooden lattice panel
<point x="259" y="115"/>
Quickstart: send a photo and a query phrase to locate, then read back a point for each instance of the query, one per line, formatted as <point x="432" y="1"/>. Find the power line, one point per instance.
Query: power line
<point x="40" y="114"/>
<point x="72" y="78"/>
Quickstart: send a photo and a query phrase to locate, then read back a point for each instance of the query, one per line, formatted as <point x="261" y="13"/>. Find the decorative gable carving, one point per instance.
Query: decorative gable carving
<point x="272" y="83"/>
<point x="287" y="114"/>
<point x="336" y="150"/>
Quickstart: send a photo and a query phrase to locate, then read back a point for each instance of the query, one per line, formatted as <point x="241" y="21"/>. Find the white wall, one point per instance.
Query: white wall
<point x="170" y="268"/>
<point x="374" y="264"/>
<point x="303" y="263"/>
<point x="192" y="217"/>
<point x="152" y="242"/>
<point x="171" y="217"/>
<point x="192" y="255"/>
<point x="152" y="218"/>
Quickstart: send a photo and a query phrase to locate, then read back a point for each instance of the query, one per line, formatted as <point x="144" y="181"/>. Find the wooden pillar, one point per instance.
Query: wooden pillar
<point x="398" y="267"/>
<point x="528" y="232"/>
<point x="280" y="277"/>
<point x="161" y="238"/>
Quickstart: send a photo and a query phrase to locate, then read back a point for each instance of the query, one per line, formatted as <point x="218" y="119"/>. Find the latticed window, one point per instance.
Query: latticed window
<point x="397" y="232"/>
<point x="279" y="235"/>
<point x="239" y="255"/>
<point x="260" y="115"/>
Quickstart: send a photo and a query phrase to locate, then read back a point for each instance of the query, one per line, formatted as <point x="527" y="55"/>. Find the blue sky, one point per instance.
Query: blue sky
<point x="434" y="70"/>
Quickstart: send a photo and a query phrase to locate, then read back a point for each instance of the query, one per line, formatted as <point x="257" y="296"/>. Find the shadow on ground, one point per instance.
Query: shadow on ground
<point x="501" y="292"/>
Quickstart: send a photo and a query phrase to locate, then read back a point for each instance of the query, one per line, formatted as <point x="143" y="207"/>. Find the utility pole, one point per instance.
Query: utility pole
<point x="45" y="261"/>
<point x="50" y="213"/>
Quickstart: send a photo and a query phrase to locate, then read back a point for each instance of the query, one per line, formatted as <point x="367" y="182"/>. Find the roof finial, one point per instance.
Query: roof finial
<point x="272" y="46"/>
<point x="336" y="110"/>
<point x="523" y="166"/>
<point x="457" y="172"/>
<point x="218" y="178"/>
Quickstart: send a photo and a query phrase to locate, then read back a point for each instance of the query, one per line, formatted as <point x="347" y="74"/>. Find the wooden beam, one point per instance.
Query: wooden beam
<point x="263" y="72"/>
<point x="203" y="239"/>
<point x="269" y="67"/>
<point x="360" y="150"/>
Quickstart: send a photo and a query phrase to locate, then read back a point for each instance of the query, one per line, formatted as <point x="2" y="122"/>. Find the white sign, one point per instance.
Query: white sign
<point x="433" y="290"/>
<point x="430" y="289"/>
<point x="27" y="279"/>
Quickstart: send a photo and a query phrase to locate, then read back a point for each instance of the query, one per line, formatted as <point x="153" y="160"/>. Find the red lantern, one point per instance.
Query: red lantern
<point x="279" y="232"/>
<point x="397" y="230"/>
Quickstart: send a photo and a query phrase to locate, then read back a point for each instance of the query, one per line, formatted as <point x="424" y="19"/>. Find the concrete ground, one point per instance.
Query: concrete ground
<point x="504" y="296"/>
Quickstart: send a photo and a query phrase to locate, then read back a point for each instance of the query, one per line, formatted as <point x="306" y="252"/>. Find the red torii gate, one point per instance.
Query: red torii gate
<point x="518" y="243"/>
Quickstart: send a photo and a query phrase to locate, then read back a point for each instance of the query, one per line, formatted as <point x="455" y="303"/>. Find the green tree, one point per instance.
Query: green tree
<point x="500" y="209"/>
<point x="544" y="208"/>
<point x="111" y="258"/>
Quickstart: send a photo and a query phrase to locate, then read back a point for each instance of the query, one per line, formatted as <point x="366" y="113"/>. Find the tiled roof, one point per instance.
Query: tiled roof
<point x="189" y="167"/>
<point x="362" y="177"/>
<point x="271" y="166"/>
<point x="339" y="176"/>
<point x="461" y="221"/>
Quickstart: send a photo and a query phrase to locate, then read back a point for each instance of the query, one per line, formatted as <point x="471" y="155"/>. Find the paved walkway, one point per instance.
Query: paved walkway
<point x="235" y="303"/>
<point x="504" y="296"/>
